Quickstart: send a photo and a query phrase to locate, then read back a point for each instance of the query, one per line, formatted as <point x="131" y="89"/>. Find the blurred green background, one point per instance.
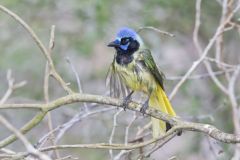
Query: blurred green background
<point x="83" y="28"/>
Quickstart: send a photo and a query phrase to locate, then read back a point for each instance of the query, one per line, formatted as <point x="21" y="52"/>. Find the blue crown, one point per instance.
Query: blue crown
<point x="126" y="32"/>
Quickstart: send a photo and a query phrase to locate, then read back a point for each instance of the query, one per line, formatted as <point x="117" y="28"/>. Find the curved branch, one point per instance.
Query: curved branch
<point x="39" y="43"/>
<point x="178" y="123"/>
<point x="26" y="128"/>
<point x="205" y="52"/>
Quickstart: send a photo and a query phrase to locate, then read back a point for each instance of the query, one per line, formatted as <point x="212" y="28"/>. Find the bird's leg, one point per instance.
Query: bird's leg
<point x="126" y="100"/>
<point x="145" y="106"/>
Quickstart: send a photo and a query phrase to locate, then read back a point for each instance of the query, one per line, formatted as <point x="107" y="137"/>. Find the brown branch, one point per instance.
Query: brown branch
<point x="61" y="129"/>
<point x="219" y="41"/>
<point x="80" y="90"/>
<point x="156" y="30"/>
<point x="160" y="144"/>
<point x="233" y="100"/>
<point x="204" y="53"/>
<point x="39" y="43"/>
<point x="113" y="130"/>
<point x="26" y="128"/>
<point x="226" y="13"/>
<point x="103" y="145"/>
<point x="200" y="50"/>
<point x="12" y="86"/>
<point x="112" y="146"/>
<point x="24" y="140"/>
<point x="46" y="88"/>
<point x="180" y="124"/>
<point x="235" y="109"/>
<point x="201" y="76"/>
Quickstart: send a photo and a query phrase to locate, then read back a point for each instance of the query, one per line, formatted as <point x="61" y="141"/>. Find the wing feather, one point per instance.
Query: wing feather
<point x="115" y="83"/>
<point x="152" y="67"/>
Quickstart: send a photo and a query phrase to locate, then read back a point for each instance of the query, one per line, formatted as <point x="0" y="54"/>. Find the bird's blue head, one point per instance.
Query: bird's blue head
<point x="127" y="41"/>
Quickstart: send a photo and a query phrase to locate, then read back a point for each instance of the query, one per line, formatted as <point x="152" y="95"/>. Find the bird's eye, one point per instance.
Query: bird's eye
<point x="124" y="41"/>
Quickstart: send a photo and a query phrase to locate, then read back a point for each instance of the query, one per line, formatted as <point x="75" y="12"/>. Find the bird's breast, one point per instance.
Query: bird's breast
<point x="135" y="76"/>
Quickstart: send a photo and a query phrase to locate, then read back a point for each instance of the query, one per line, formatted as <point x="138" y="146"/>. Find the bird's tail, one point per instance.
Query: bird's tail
<point x="158" y="100"/>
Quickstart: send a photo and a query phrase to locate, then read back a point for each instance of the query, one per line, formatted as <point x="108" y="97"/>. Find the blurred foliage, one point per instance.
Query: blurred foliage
<point x="83" y="28"/>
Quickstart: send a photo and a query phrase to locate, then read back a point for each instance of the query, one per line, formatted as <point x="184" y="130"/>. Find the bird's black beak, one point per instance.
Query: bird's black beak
<point x="115" y="43"/>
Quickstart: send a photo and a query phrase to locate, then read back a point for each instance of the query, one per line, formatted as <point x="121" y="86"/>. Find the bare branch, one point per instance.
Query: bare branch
<point x="26" y="143"/>
<point x="177" y="123"/>
<point x="74" y="98"/>
<point x="219" y="40"/>
<point x="46" y="87"/>
<point x="128" y="127"/>
<point x="199" y="48"/>
<point x="27" y="127"/>
<point x="157" y="30"/>
<point x="112" y="146"/>
<point x="40" y="45"/>
<point x="160" y="144"/>
<point x="235" y="109"/>
<point x="64" y="127"/>
<point x="220" y="63"/>
<point x="204" y="53"/>
<point x="78" y="80"/>
<point x="11" y="86"/>
<point x="113" y="130"/>
<point x="200" y="76"/>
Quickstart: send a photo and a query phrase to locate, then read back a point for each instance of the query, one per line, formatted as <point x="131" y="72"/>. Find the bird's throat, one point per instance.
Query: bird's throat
<point x="123" y="59"/>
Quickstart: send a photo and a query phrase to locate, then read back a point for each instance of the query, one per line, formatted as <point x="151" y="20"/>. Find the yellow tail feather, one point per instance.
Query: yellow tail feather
<point x="158" y="100"/>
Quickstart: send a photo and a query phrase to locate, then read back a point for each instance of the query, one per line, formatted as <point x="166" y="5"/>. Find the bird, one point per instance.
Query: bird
<point x="134" y="70"/>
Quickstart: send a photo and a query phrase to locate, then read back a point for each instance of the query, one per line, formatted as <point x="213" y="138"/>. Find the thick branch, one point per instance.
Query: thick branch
<point x="179" y="124"/>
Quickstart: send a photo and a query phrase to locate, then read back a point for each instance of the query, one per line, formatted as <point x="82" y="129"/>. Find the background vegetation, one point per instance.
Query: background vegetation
<point x="83" y="28"/>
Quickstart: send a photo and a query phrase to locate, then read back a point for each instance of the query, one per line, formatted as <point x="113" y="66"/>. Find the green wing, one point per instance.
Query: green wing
<point x="152" y="67"/>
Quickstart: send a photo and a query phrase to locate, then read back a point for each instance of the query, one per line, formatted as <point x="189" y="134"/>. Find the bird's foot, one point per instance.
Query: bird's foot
<point x="126" y="101"/>
<point x="169" y="126"/>
<point x="179" y="133"/>
<point x="144" y="108"/>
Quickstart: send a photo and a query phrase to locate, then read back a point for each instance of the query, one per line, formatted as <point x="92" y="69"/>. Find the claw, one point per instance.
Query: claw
<point x="127" y="100"/>
<point x="144" y="107"/>
<point x="168" y="127"/>
<point x="179" y="133"/>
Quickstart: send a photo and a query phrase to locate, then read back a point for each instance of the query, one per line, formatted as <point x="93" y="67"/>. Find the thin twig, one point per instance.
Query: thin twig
<point x="107" y="145"/>
<point x="67" y="157"/>
<point x="235" y="109"/>
<point x="120" y="154"/>
<point x="233" y="100"/>
<point x="204" y="53"/>
<point x="160" y="144"/>
<point x="77" y="118"/>
<point x="78" y="80"/>
<point x="11" y="86"/>
<point x="26" y="143"/>
<point x="112" y="146"/>
<point x="27" y="127"/>
<point x="40" y="45"/>
<point x="199" y="48"/>
<point x="128" y="127"/>
<point x="113" y="130"/>
<point x="46" y="87"/>
<point x="64" y="127"/>
<point x="200" y="76"/>
<point x="157" y="30"/>
<point x="220" y="63"/>
<point x="219" y="40"/>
